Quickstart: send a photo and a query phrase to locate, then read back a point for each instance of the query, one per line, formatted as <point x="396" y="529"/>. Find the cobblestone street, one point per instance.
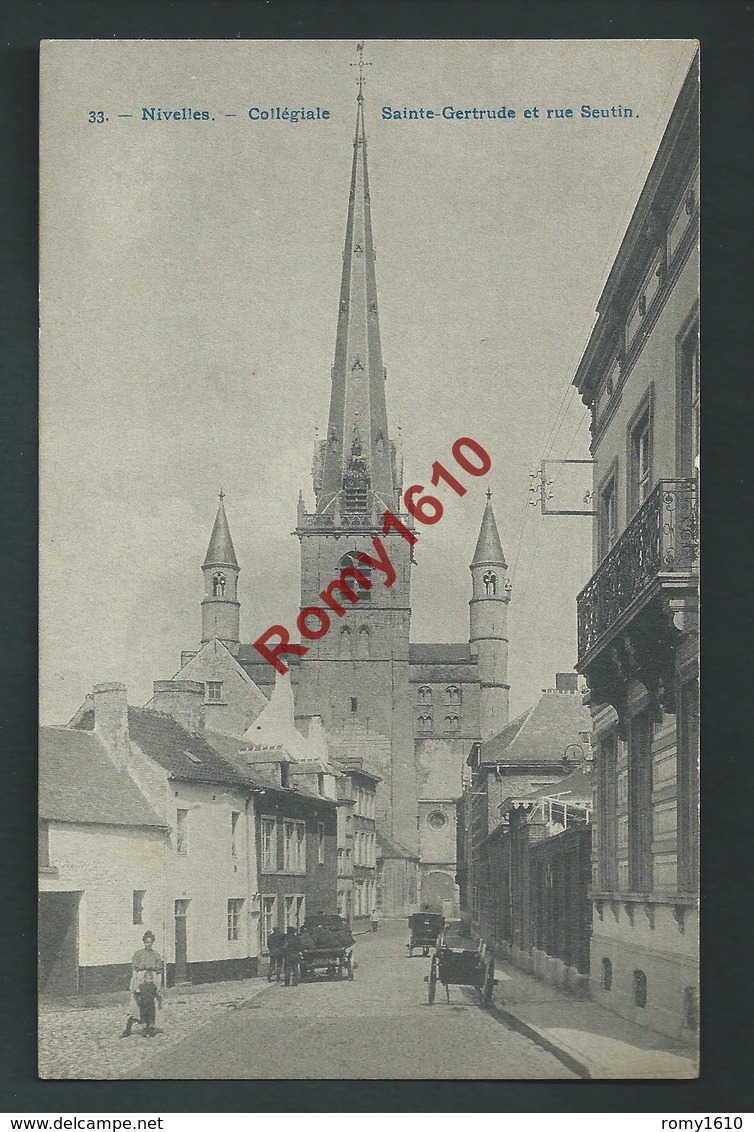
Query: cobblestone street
<point x="83" y="1040"/>
<point x="379" y="1026"/>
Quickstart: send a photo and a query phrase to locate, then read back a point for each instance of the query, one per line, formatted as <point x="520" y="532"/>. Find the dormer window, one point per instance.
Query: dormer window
<point x="219" y="582"/>
<point x="284" y="776"/>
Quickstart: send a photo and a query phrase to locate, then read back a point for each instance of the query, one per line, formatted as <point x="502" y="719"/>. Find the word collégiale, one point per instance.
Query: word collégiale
<point x="427" y="509"/>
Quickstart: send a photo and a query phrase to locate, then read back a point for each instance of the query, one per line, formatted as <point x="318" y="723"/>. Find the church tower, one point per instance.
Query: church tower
<point x="356" y="675"/>
<point x="221" y="609"/>
<point x="488" y="616"/>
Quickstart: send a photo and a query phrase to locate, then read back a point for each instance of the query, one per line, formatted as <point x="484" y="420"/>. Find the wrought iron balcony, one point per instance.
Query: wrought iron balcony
<point x="660" y="544"/>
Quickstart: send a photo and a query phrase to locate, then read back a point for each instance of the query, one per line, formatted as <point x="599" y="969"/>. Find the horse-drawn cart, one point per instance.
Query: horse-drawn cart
<point x="425" y="927"/>
<point x="326" y="945"/>
<point x="462" y="967"/>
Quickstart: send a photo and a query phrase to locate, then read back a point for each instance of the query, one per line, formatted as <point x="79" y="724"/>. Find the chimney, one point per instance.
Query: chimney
<point x="183" y="699"/>
<point x="111" y="717"/>
<point x="566" y="682"/>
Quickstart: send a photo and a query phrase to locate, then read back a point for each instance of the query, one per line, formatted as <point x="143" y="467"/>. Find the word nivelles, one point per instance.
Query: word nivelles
<point x="428" y="509"/>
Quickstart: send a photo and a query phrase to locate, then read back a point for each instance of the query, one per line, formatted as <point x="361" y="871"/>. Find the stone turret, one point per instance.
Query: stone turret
<point x="488" y="617"/>
<point x="221" y="609"/>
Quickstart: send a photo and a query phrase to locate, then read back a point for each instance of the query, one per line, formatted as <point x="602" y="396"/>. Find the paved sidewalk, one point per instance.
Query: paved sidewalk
<point x="592" y="1041"/>
<point x="80" y="1039"/>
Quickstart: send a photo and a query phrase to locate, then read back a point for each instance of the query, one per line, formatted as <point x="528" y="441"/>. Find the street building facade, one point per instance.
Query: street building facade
<point x="638" y="642"/>
<point x="357" y="789"/>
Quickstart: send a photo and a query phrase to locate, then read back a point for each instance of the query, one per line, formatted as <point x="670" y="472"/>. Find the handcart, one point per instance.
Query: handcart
<point x="424" y="927"/>
<point x="462" y="967"/>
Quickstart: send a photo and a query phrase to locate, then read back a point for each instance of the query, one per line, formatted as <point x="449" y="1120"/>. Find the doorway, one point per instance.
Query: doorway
<point x="58" y="941"/>
<point x="181" y="941"/>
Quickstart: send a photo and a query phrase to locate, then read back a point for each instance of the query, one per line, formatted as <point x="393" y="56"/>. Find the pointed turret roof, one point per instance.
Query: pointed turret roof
<point x="220" y="551"/>
<point x="488" y="545"/>
<point x="357" y="451"/>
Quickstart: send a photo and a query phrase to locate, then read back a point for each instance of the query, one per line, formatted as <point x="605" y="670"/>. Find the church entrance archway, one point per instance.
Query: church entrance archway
<point x="438" y="891"/>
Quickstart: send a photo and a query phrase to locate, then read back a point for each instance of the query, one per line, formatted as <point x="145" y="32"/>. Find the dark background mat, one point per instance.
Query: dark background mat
<point x="725" y="29"/>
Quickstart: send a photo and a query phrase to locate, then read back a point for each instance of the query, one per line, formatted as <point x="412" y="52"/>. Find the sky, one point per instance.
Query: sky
<point x="189" y="278"/>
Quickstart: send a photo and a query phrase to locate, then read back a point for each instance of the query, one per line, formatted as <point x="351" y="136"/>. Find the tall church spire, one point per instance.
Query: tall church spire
<point x="355" y="466"/>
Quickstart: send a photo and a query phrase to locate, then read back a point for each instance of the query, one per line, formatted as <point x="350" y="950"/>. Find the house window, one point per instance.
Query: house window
<point x="181" y="832"/>
<point x="293" y="912"/>
<point x="608" y="515"/>
<point x="294" y="846"/>
<point x="320" y="843"/>
<point x="269" y="846"/>
<point x="641" y="458"/>
<point x="607" y="804"/>
<point x="44" y="845"/>
<point x="320" y="783"/>
<point x="284" y="775"/>
<point x="640" y="803"/>
<point x="235" y="815"/>
<point x="268" y="919"/>
<point x="138" y="906"/>
<point x="214" y="691"/>
<point x="688" y="397"/>
<point x="234" y="919"/>
<point x="687" y="786"/>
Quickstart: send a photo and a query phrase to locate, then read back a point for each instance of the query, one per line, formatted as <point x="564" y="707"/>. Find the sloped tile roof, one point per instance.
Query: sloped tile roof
<point x="185" y="756"/>
<point x="78" y="782"/>
<point x="557" y="721"/>
<point x="387" y="847"/>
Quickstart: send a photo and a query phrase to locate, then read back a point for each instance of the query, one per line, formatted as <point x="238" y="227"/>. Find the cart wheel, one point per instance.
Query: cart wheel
<point x="489" y="982"/>
<point x="349" y="968"/>
<point x="432" y="982"/>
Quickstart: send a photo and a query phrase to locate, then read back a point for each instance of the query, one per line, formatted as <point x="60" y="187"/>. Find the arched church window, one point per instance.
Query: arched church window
<point x="452" y="722"/>
<point x="425" y="723"/>
<point x="452" y="695"/>
<point x="351" y="559"/>
<point x="490" y="583"/>
<point x="219" y="582"/>
<point x="362" y="644"/>
<point x="345" y="643"/>
<point x="425" y="695"/>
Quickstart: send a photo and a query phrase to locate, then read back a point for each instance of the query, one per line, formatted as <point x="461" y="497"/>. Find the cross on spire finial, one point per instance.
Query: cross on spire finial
<point x="361" y="65"/>
<point x="221" y="495"/>
<point x="489" y="494"/>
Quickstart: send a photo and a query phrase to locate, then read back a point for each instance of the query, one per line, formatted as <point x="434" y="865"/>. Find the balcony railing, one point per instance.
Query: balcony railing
<point x="663" y="537"/>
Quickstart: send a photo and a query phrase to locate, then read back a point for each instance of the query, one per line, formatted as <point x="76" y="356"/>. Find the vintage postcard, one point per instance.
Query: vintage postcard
<point x="369" y="559"/>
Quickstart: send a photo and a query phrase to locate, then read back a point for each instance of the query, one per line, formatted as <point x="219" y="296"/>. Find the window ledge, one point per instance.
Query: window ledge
<point x="48" y="870"/>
